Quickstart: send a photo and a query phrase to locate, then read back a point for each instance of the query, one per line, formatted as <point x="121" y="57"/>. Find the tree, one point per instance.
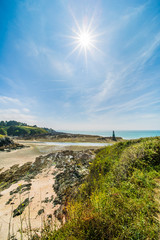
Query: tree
<point x="2" y="131"/>
<point x="2" y="124"/>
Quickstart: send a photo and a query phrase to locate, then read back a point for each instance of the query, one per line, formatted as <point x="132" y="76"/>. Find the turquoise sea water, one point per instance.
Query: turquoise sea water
<point x="131" y="134"/>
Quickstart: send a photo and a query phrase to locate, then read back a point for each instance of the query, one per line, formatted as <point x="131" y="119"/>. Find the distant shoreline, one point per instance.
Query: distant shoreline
<point x="68" y="137"/>
<point x="125" y="134"/>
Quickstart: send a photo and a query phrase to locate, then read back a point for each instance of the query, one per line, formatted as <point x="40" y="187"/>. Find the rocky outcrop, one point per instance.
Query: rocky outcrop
<point x="7" y="144"/>
<point x="25" y="172"/>
<point x="5" y="141"/>
<point x="68" y="137"/>
<point x="19" y="210"/>
<point x="74" y="167"/>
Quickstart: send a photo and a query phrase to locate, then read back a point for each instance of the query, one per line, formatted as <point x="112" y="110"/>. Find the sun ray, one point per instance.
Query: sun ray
<point x="73" y="51"/>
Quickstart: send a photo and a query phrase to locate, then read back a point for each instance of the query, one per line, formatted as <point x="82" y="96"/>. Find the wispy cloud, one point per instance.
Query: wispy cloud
<point x="150" y="49"/>
<point x="53" y="59"/>
<point x="142" y="102"/>
<point x="126" y="79"/>
<point x="10" y="100"/>
<point x="133" y="12"/>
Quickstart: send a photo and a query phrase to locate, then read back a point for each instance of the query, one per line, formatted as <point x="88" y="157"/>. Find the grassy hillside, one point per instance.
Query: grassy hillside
<point x="25" y="131"/>
<point x="14" y="128"/>
<point x="117" y="201"/>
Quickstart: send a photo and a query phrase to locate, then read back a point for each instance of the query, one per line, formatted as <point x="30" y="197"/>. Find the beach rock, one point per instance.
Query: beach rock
<point x="9" y="200"/>
<point x="73" y="168"/>
<point x="19" y="210"/>
<point x="5" y="141"/>
<point x="21" y="188"/>
<point x="13" y="175"/>
<point x="40" y="211"/>
<point x="7" y="144"/>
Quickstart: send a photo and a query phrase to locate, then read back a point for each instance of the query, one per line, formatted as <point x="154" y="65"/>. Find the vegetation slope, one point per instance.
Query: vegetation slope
<point x="117" y="201"/>
<point x="14" y="128"/>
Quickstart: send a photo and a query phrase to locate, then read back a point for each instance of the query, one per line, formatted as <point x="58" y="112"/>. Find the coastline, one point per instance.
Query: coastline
<point x="37" y="190"/>
<point x="35" y="149"/>
<point x="125" y="134"/>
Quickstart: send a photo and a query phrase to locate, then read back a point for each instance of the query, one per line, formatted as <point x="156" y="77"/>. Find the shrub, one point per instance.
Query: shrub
<point x="3" y="132"/>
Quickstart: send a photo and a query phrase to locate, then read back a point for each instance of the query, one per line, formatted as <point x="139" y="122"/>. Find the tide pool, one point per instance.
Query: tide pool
<point x="86" y="144"/>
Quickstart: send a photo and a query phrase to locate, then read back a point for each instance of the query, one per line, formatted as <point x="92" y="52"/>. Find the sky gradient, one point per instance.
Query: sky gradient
<point x="43" y="82"/>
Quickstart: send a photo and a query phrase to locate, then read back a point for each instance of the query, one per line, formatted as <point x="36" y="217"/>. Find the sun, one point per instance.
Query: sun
<point x="84" y="38"/>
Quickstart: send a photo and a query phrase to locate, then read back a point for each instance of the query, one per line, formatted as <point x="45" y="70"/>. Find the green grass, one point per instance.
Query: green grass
<point x="117" y="201"/>
<point x="22" y="131"/>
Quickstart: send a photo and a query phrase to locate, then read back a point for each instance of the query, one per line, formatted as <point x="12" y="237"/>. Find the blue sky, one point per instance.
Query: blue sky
<point x="117" y="87"/>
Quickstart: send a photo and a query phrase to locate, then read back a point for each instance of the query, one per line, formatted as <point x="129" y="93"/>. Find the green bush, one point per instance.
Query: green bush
<point x="143" y="155"/>
<point x="3" y="131"/>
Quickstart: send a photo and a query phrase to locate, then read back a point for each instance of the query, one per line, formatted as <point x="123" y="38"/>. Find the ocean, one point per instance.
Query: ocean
<point x="127" y="134"/>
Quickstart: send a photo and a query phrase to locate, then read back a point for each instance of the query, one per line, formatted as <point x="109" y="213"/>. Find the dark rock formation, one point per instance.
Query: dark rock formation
<point x="21" y="189"/>
<point x="19" y="210"/>
<point x="7" y="144"/>
<point x="74" y="167"/>
<point x="40" y="211"/>
<point x="5" y="141"/>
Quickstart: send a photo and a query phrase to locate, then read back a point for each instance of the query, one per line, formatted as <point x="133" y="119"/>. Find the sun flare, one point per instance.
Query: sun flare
<point x="84" y="38"/>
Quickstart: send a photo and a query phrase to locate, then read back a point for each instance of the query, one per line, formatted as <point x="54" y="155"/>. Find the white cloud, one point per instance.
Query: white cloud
<point x="14" y="109"/>
<point x="6" y="100"/>
<point x="17" y="115"/>
<point x="26" y="110"/>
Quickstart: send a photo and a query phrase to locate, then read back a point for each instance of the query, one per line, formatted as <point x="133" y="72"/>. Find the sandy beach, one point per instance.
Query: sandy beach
<point x="33" y="149"/>
<point x="41" y="193"/>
